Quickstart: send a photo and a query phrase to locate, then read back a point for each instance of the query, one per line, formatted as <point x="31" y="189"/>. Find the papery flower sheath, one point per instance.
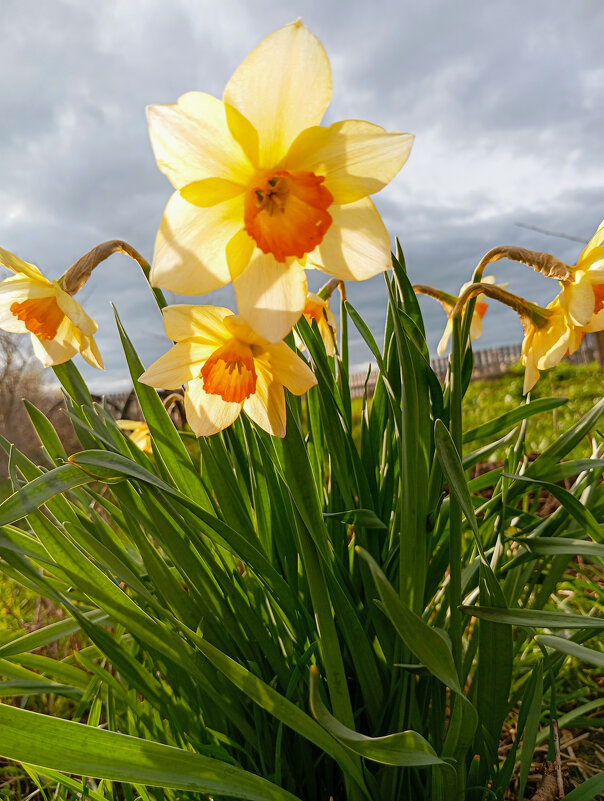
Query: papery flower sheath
<point x="544" y="346"/>
<point x="263" y="189"/>
<point x="583" y="297"/>
<point x="59" y="326"/>
<point x="480" y="309"/>
<point x="227" y="368"/>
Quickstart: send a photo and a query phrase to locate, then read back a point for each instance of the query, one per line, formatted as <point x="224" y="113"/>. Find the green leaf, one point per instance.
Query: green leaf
<point x="572" y="505"/>
<point x="550" y="546"/>
<point x="47" y="635"/>
<point x="366" y="518"/>
<point x="41" y="490"/>
<point x="533" y="698"/>
<point x="588" y="790"/>
<point x="427" y="645"/>
<point x="453" y="469"/>
<point x="406" y="749"/>
<point x="572" y="648"/>
<point x="277" y="705"/>
<point x="167" y="444"/>
<point x="536" y="618"/>
<point x="495" y="427"/>
<point x="71" y="747"/>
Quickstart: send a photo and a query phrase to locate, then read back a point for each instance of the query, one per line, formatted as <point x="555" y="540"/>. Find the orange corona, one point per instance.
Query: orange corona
<point x="286" y="212"/>
<point x="230" y="372"/>
<point x="42" y="316"/>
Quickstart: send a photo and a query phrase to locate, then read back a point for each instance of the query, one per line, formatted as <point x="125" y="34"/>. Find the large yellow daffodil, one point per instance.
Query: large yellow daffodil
<point x="227" y="367"/>
<point x="263" y="189"/>
<point x="583" y="298"/>
<point x="59" y="326"/>
<point x="544" y="346"/>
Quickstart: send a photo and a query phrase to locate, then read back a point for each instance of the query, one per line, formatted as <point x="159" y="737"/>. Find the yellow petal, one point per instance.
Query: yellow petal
<point x="282" y="87"/>
<point x="357" y="158"/>
<point x="211" y="191"/>
<point x="579" y="300"/>
<point x="287" y="368"/>
<point x="208" y="414"/>
<point x="444" y="340"/>
<point x="20" y="267"/>
<point x="356" y="246"/>
<point x="183" y="321"/>
<point x="594" y="265"/>
<point x="244" y="133"/>
<point x="531" y="376"/>
<point x="476" y="327"/>
<point x="52" y="351"/>
<point x="593" y="243"/>
<point x="267" y="406"/>
<point x="597" y="323"/>
<point x="239" y="251"/>
<point x="182" y="363"/>
<point x="90" y="352"/>
<point x="190" y="249"/>
<point x="191" y="141"/>
<point x="75" y="312"/>
<point x="271" y="295"/>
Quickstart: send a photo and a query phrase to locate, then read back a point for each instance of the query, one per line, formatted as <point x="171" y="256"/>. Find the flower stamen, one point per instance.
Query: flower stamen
<point x="286" y="212"/>
<point x="230" y="372"/>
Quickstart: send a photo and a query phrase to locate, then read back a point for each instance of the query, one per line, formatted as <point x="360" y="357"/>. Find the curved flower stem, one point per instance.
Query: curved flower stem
<point x="76" y="276"/>
<point x="543" y="263"/>
<point x="526" y="310"/>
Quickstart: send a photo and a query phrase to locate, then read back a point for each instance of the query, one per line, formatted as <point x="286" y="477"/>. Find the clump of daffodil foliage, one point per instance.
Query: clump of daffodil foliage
<point x="269" y="607"/>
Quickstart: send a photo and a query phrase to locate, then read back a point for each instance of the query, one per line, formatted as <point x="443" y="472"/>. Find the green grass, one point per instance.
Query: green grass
<point x="583" y="385"/>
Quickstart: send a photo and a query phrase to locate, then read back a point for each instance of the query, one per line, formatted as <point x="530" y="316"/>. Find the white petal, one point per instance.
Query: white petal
<point x="208" y="414"/>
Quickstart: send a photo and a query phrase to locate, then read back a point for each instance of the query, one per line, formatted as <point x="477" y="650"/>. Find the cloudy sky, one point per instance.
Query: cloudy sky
<point x="505" y="99"/>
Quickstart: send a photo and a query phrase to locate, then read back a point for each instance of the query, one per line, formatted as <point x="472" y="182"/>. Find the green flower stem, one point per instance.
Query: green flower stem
<point x="455" y="556"/>
<point x="328" y="640"/>
<point x="327" y="634"/>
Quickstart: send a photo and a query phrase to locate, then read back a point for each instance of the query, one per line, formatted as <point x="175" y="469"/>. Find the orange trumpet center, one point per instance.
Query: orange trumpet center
<point x="42" y="316"/>
<point x="314" y="311"/>
<point x="599" y="293"/>
<point x="481" y="309"/>
<point x="230" y="372"/>
<point x="286" y="212"/>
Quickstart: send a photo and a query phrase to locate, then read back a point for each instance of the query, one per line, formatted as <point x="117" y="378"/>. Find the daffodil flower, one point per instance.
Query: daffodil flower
<point x="317" y="309"/>
<point x="263" y="189"/>
<point x="544" y="346"/>
<point x="480" y="309"/>
<point x="227" y="368"/>
<point x="139" y="433"/>
<point x="583" y="298"/>
<point x="59" y="326"/>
